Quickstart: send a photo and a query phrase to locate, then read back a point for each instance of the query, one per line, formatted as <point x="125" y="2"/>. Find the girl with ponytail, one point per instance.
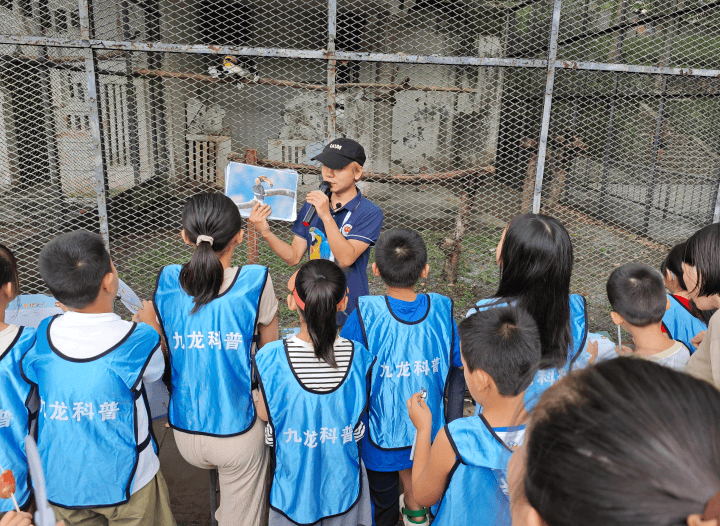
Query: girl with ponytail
<point x="210" y="315"/>
<point x="314" y="391"/>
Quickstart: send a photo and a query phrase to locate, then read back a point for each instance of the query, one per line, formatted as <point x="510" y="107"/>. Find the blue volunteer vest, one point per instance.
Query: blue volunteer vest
<point x="681" y="324"/>
<point x="410" y="355"/>
<point x="317" y="461"/>
<point x="477" y="490"/>
<point x="14" y="394"/>
<point x="87" y="420"/>
<point x="577" y="356"/>
<point x="210" y="353"/>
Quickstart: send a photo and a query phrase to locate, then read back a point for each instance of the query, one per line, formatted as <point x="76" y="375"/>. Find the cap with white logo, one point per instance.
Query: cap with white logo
<point x="341" y="152"/>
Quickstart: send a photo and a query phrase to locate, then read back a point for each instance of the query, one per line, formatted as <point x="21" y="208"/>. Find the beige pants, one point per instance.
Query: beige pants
<point x="149" y="506"/>
<point x="242" y="463"/>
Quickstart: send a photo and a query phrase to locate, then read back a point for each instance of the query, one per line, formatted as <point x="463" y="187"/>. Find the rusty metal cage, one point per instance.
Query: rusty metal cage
<point x="602" y="114"/>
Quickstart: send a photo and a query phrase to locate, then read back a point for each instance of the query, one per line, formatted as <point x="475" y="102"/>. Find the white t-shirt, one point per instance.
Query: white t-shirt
<point x="676" y="357"/>
<point x="84" y="336"/>
<point x="7" y="336"/>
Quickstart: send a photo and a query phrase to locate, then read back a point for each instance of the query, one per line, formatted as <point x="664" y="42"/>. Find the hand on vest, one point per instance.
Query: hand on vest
<point x="697" y="340"/>
<point x="419" y="413"/>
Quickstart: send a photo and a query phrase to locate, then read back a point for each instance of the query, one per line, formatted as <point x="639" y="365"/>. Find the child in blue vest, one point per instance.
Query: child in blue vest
<point x="90" y="369"/>
<point x="535" y="256"/>
<point x="211" y="314"/>
<point x="415" y="340"/>
<point x="464" y="473"/>
<point x="314" y="392"/>
<point x="682" y="321"/>
<point x="14" y="391"/>
<point x="636" y="294"/>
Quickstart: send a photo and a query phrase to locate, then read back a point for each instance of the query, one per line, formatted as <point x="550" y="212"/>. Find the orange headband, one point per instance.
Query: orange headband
<point x="301" y="303"/>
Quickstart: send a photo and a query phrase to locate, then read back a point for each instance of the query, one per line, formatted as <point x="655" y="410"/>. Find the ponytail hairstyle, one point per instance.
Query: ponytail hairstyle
<point x="210" y="216"/>
<point x="321" y="285"/>
<point x="536" y="261"/>
<point x="673" y="263"/>
<point x="627" y="442"/>
<point x="8" y="270"/>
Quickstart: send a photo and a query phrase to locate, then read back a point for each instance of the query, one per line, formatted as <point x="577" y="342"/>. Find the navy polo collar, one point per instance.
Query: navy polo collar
<point x="352" y="204"/>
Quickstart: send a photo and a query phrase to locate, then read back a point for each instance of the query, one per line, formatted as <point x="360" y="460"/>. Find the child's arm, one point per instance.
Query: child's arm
<point x="290" y="254"/>
<point x="147" y="315"/>
<point x="432" y="465"/>
<point x="268" y="333"/>
<point x="260" y="408"/>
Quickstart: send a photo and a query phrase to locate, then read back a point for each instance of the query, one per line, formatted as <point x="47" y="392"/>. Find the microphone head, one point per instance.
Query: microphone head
<point x="325" y="188"/>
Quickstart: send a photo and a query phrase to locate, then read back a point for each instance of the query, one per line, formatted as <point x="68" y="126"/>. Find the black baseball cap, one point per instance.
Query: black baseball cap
<point x="341" y="152"/>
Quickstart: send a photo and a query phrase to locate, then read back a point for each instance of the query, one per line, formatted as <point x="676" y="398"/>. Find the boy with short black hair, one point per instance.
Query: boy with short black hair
<point x="415" y="339"/>
<point x="464" y="473"/>
<point x="637" y="296"/>
<point x="89" y="368"/>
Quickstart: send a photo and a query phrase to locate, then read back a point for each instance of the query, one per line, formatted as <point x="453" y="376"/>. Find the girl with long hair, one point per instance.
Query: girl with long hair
<point x="314" y="393"/>
<point x="535" y="256"/>
<point x="210" y="315"/>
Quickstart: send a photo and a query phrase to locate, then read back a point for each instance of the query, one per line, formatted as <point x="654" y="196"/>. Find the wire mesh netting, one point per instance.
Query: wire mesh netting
<point x="631" y="165"/>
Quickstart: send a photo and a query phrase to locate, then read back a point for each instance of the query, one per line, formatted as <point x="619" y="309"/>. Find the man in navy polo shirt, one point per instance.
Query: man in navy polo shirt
<point x="345" y="227"/>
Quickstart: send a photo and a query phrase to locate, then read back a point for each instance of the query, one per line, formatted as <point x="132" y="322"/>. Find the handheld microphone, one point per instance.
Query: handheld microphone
<point x="324" y="188"/>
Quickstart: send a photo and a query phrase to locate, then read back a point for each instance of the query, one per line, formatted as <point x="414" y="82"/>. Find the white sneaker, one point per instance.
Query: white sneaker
<point x="407" y="521"/>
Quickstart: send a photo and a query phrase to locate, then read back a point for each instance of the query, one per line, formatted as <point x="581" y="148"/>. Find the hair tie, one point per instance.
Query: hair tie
<point x="712" y="508"/>
<point x="320" y="276"/>
<point x="202" y="238"/>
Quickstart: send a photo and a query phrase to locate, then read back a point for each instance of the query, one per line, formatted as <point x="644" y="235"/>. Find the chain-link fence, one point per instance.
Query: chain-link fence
<point x="602" y="114"/>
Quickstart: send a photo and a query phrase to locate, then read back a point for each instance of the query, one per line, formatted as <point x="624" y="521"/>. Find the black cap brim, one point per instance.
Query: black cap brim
<point x="332" y="160"/>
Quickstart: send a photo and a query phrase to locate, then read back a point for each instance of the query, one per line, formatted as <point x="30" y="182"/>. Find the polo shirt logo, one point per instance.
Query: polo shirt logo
<point x="346" y="229"/>
<point x="336" y="146"/>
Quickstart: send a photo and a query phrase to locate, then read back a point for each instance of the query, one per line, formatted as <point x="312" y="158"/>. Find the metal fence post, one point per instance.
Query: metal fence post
<point x="716" y="213"/>
<point x="549" y="84"/>
<point x="99" y="166"/>
<point x="331" y="69"/>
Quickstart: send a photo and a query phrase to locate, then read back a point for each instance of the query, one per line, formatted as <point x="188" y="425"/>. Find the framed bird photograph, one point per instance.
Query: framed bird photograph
<point x="247" y="185"/>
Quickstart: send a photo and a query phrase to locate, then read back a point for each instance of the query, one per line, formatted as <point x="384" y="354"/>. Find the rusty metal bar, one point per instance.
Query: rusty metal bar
<point x="99" y="165"/>
<point x="547" y="104"/>
<point x="132" y="99"/>
<point x="331" y="70"/>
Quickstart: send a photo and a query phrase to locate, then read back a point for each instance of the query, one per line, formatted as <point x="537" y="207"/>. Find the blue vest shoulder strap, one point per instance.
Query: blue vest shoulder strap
<point x="578" y="325"/>
<point x="681" y="324"/>
<point x="476" y="492"/>
<point x="211" y="347"/>
<point x="410" y="356"/>
<point x="314" y="446"/>
<point x="14" y="416"/>
<point x="87" y="417"/>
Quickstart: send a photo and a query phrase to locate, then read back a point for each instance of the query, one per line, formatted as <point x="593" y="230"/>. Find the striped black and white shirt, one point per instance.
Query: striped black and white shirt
<point x="317" y="375"/>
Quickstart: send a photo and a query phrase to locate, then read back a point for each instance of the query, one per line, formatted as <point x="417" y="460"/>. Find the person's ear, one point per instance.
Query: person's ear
<point x="291" y="303"/>
<point x="7" y="291"/>
<point x="616" y="318"/>
<point x="696" y="520"/>
<point x="425" y="272"/>
<point x="375" y="270"/>
<point x="108" y="282"/>
<point x="239" y="237"/>
<point x="185" y="238"/>
<point x="481" y="379"/>
<point x="358" y="171"/>
<point x="343" y="304"/>
<point x="667" y="304"/>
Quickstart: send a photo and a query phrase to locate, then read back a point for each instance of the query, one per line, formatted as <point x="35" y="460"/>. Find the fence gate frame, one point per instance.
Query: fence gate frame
<point x="90" y="46"/>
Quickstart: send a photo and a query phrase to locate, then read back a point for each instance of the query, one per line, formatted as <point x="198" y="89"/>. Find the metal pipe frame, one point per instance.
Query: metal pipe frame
<point x="159" y="47"/>
<point x="547" y="104"/>
<point x="331" y="70"/>
<point x="98" y="154"/>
